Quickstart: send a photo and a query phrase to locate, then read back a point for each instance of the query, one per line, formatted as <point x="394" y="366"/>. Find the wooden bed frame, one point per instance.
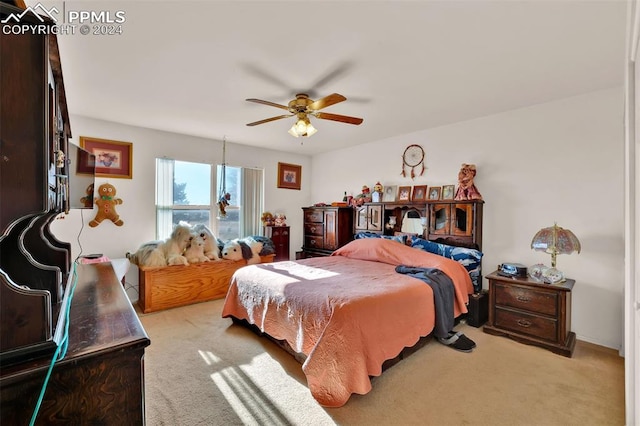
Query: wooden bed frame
<point x="179" y="285"/>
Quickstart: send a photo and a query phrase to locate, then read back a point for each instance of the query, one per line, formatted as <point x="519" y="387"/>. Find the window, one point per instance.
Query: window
<point x="185" y="192"/>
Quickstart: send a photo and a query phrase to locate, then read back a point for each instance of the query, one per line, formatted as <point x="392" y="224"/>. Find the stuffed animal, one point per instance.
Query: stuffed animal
<point x="87" y="200"/>
<point x="466" y="188"/>
<point x="149" y="255"/>
<point x="280" y="220"/>
<point x="267" y="219"/>
<point x="195" y="252"/>
<point x="163" y="253"/>
<point x="106" y="202"/>
<point x="211" y="243"/>
<point x="174" y="247"/>
<point x="242" y="248"/>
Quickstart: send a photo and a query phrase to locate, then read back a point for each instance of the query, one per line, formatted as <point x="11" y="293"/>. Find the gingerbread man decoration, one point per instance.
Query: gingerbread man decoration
<point x="106" y="202"/>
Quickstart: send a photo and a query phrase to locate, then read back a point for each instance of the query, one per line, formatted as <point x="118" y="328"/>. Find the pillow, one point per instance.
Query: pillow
<point x="471" y="259"/>
<point x="402" y="239"/>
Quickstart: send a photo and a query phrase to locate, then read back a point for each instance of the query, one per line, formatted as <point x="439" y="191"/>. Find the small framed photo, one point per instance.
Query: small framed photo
<point x="289" y="176"/>
<point x="113" y="158"/>
<point x="447" y="192"/>
<point x="434" y="192"/>
<point x="389" y="194"/>
<point x="419" y="193"/>
<point x="404" y="193"/>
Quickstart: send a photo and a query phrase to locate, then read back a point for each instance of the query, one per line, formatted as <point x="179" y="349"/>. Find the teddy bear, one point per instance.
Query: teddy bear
<point x="242" y="248"/>
<point x="195" y="251"/>
<point x="466" y="188"/>
<point x="106" y="202"/>
<point x="211" y="243"/>
<point x="267" y="219"/>
<point x="87" y="200"/>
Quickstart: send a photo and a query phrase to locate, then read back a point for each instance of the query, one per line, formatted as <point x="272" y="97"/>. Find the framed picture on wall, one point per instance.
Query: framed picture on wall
<point x="404" y="193"/>
<point x="114" y="159"/>
<point x="289" y="176"/>
<point x="419" y="193"/>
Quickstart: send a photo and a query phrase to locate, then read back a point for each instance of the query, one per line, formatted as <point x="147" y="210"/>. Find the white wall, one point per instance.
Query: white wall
<point x="138" y="194"/>
<point x="555" y="162"/>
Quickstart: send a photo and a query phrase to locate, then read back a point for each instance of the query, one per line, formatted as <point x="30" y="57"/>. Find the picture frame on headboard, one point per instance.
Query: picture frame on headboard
<point x="419" y="193"/>
<point x="404" y="194"/>
<point x="434" y="192"/>
<point x="389" y="194"/>
<point x="448" y="191"/>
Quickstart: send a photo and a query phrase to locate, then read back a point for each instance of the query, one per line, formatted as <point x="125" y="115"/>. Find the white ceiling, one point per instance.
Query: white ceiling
<point x="187" y="67"/>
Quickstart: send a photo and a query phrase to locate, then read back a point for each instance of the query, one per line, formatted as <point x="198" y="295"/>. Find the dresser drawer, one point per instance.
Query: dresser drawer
<point x="314" y="216"/>
<point x="316" y="229"/>
<point x="523" y="323"/>
<point x="313" y="242"/>
<point x="527" y="298"/>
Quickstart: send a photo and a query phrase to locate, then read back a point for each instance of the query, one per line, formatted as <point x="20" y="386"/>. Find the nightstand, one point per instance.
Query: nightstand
<point x="531" y="312"/>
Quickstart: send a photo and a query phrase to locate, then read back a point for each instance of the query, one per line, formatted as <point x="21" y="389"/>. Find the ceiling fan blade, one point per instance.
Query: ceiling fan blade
<point x="332" y="99"/>
<point x="337" y="117"/>
<point x="266" y="120"/>
<point x="260" y="101"/>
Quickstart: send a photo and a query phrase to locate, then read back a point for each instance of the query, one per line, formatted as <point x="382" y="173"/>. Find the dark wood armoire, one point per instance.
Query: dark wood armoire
<point x="100" y="379"/>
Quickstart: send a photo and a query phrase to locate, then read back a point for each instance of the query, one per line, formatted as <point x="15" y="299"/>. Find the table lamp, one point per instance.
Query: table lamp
<point x="553" y="240"/>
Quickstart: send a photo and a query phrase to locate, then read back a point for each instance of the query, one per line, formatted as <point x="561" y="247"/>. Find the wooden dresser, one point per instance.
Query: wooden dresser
<point x="101" y="379"/>
<point x="531" y="312"/>
<point x="326" y="229"/>
<point x="280" y="237"/>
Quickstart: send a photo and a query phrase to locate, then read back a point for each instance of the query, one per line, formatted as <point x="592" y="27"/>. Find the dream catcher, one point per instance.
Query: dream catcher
<point x="413" y="157"/>
<point x="223" y="200"/>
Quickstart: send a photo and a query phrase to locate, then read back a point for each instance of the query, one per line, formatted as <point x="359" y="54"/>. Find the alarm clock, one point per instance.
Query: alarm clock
<point x="515" y="270"/>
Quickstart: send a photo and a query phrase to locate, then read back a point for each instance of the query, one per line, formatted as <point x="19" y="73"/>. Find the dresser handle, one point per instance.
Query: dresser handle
<point x="524" y="323"/>
<point x="523" y="299"/>
<point x="312" y="229"/>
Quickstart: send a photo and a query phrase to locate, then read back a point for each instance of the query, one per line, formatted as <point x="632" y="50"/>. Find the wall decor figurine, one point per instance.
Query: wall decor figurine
<point x="106" y="202"/>
<point x="466" y="188"/>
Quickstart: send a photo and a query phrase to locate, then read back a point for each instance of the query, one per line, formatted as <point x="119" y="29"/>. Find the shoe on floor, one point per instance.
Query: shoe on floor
<point x="458" y="341"/>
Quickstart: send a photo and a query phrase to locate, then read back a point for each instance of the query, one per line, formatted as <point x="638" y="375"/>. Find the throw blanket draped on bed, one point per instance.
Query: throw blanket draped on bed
<point x="347" y="313"/>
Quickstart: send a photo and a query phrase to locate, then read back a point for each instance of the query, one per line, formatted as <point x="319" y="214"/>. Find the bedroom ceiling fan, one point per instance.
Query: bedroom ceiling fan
<point x="302" y="107"/>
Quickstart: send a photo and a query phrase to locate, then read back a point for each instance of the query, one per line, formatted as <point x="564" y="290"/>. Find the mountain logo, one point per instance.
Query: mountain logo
<point x="34" y="11"/>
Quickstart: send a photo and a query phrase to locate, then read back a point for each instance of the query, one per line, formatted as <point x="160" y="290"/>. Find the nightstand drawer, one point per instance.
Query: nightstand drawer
<point x="527" y="298"/>
<point x="314" y="229"/>
<point x="521" y="322"/>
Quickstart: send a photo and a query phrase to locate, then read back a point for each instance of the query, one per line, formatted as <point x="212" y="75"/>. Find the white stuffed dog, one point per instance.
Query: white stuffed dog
<point x="195" y="252"/>
<point x="242" y="248"/>
<point x="211" y="247"/>
<point x="163" y="253"/>
<point x="148" y="255"/>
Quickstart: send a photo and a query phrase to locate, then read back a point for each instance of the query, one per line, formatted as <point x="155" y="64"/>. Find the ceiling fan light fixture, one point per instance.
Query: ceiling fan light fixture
<point x="302" y="127"/>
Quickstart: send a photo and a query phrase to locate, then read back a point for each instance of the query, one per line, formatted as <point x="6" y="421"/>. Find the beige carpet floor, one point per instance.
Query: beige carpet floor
<point x="202" y="370"/>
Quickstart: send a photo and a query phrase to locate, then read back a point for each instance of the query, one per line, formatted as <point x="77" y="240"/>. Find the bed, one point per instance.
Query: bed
<point x="345" y="314"/>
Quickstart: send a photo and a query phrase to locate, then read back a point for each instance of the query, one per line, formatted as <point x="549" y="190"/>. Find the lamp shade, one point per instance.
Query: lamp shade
<point x="555" y="240"/>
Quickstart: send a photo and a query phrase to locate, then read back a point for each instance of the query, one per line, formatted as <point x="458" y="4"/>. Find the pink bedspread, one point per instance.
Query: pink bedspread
<point x="347" y="313"/>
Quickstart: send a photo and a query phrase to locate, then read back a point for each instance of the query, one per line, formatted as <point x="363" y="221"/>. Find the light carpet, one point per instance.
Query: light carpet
<point x="203" y="370"/>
